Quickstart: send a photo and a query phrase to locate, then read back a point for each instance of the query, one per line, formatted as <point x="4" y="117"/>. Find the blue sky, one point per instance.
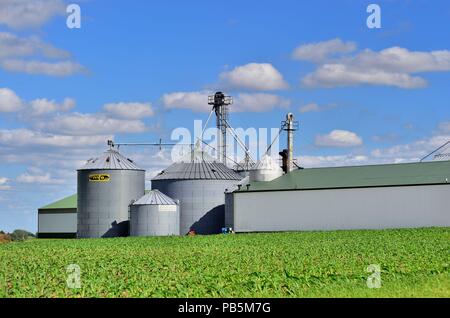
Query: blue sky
<point x="136" y="70"/>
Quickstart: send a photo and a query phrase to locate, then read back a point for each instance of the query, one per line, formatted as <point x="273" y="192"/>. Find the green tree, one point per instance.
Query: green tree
<point x="21" y="235"/>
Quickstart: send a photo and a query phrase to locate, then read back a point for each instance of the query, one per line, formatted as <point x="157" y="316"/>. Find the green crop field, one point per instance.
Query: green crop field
<point x="413" y="263"/>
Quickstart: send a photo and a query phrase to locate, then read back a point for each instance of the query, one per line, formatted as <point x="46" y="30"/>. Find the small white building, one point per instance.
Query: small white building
<point x="58" y="219"/>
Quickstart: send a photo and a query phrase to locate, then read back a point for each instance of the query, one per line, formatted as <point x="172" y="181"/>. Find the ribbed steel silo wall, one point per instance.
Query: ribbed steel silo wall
<point x="103" y="207"/>
<point x="154" y="220"/>
<point x="229" y="210"/>
<point x="201" y="203"/>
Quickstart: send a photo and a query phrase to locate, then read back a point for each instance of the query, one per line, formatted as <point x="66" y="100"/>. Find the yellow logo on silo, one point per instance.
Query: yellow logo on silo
<point x="99" y="177"/>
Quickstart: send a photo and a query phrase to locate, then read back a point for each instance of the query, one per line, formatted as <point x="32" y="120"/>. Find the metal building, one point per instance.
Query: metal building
<point x="200" y="188"/>
<point x="58" y="219"/>
<point x="155" y="214"/>
<point x="107" y="185"/>
<point x="360" y="197"/>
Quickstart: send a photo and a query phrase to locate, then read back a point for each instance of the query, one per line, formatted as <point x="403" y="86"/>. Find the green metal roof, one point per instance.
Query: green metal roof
<point x="69" y="202"/>
<point x="437" y="172"/>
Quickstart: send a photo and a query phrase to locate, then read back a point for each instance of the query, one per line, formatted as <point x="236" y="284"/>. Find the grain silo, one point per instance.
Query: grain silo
<point x="200" y="187"/>
<point x="266" y="169"/>
<point x="107" y="185"/>
<point x="155" y="214"/>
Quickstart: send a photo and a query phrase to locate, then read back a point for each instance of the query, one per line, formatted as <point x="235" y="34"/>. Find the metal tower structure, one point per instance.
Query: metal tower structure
<point x="289" y="125"/>
<point x="220" y="104"/>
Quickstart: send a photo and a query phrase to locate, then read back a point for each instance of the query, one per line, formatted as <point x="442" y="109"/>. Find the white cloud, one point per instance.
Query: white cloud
<point x="322" y="51"/>
<point x="333" y="161"/>
<point x="243" y="102"/>
<point x="258" y="102"/>
<point x="38" y="179"/>
<point x="4" y="184"/>
<point x="42" y="106"/>
<point x="25" y="138"/>
<point x="393" y="66"/>
<point x="25" y="55"/>
<point x="339" y="138"/>
<point x="64" y="68"/>
<point x="58" y="122"/>
<point x="445" y="127"/>
<point x="129" y="110"/>
<point x="311" y="107"/>
<point x="9" y="101"/>
<point x="397" y="59"/>
<point x="87" y="124"/>
<point x="314" y="107"/>
<point x="14" y="46"/>
<point x="413" y="151"/>
<point x="335" y="75"/>
<point x="401" y="153"/>
<point x="258" y="76"/>
<point x="20" y="14"/>
<point x="196" y="101"/>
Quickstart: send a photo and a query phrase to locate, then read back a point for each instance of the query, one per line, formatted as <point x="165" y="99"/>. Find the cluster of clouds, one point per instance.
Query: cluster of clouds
<point x="113" y="117"/>
<point x="339" y="138"/>
<point x="57" y="137"/>
<point x="256" y="76"/>
<point x="4" y="184"/>
<point x="314" y="107"/>
<point x="242" y="102"/>
<point x="21" y="14"/>
<point x="340" y="64"/>
<point x="30" y="54"/>
<point x="399" y="153"/>
<point x="55" y="132"/>
<point x="252" y="83"/>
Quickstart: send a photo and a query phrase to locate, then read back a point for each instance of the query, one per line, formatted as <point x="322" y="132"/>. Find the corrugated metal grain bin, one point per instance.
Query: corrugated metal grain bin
<point x="107" y="185"/>
<point x="200" y="188"/>
<point x="155" y="214"/>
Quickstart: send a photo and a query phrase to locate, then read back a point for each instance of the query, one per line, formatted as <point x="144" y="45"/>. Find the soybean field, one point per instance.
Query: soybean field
<point x="371" y="263"/>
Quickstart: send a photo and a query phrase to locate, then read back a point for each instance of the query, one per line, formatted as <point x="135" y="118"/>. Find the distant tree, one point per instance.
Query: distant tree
<point x="20" y="235"/>
<point x="4" y="238"/>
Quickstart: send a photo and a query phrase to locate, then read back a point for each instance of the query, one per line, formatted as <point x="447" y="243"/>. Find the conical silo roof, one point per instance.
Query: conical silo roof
<point x="110" y="160"/>
<point x="155" y="197"/>
<point x="266" y="163"/>
<point x="198" y="171"/>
